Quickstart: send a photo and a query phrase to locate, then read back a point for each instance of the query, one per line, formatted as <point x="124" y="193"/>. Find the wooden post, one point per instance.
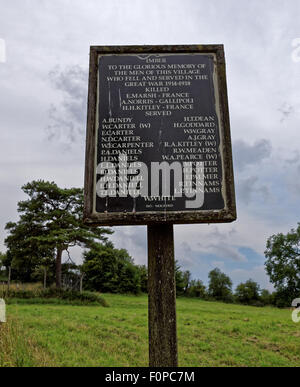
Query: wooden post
<point x="162" y="297"/>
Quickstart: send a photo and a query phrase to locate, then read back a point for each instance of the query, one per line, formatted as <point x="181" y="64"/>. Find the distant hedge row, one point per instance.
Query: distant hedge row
<point x="68" y="296"/>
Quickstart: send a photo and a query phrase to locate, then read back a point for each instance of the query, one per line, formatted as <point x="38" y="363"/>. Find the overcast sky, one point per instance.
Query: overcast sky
<point x="43" y="83"/>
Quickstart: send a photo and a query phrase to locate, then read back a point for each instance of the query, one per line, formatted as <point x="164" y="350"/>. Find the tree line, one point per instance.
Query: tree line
<point x="50" y="223"/>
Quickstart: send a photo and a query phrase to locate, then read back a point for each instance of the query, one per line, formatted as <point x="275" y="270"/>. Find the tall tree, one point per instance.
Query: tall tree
<point x="24" y="253"/>
<point x="144" y="278"/>
<point x="183" y="279"/>
<point x="3" y="258"/>
<point x="219" y="285"/>
<point x="197" y="289"/>
<point x="3" y="266"/>
<point x="51" y="220"/>
<point x="111" y="270"/>
<point x="248" y="292"/>
<point x="283" y="263"/>
<point x="266" y="297"/>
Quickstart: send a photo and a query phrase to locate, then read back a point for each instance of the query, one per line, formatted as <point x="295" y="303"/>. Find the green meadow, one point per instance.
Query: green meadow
<point x="209" y="334"/>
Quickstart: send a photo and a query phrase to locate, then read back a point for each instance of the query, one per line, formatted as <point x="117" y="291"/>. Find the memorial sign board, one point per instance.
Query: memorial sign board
<point x="158" y="136"/>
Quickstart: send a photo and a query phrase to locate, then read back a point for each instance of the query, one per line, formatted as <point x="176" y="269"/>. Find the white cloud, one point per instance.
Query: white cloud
<point x="219" y="264"/>
<point x="257" y="274"/>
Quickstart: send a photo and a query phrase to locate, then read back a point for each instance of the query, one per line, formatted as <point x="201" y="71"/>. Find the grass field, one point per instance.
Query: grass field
<point x="209" y="334"/>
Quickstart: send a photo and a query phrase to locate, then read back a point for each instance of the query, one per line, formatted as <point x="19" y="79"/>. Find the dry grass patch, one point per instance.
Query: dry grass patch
<point x="17" y="349"/>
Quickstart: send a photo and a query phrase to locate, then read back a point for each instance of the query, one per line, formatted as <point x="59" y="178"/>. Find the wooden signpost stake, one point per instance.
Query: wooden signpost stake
<point x="158" y="113"/>
<point x="161" y="297"/>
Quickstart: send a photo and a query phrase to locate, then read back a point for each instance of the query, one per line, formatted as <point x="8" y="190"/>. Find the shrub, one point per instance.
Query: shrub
<point x="220" y="286"/>
<point x="68" y="296"/>
<point x="267" y="298"/>
<point x="197" y="289"/>
<point x="248" y="293"/>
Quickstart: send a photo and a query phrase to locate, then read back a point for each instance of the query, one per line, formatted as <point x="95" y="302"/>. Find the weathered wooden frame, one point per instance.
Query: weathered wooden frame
<point x="228" y="214"/>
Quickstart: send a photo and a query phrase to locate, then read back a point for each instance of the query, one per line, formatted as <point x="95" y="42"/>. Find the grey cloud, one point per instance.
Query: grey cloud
<point x="249" y="186"/>
<point x="286" y="110"/>
<point x="185" y="256"/>
<point x="222" y="249"/>
<point x="226" y="251"/>
<point x="295" y="159"/>
<point x="71" y="81"/>
<point x="186" y="248"/>
<point x="292" y="173"/>
<point x="258" y="273"/>
<point x="192" y="248"/>
<point x="246" y="154"/>
<point x="134" y="239"/>
<point x="67" y="119"/>
<point x="197" y="245"/>
<point x="219" y="264"/>
<point x="292" y="180"/>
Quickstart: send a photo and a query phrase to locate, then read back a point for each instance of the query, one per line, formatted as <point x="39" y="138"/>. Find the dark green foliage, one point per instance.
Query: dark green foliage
<point x="3" y="276"/>
<point x="50" y="222"/>
<point x="129" y="278"/>
<point x="111" y="270"/>
<point x="54" y="293"/>
<point x="3" y="268"/>
<point x="283" y="265"/>
<point x="3" y="260"/>
<point x="182" y="279"/>
<point x="187" y="287"/>
<point x="267" y="298"/>
<point x="24" y="254"/>
<point x="197" y="289"/>
<point x="247" y="293"/>
<point x="144" y="278"/>
<point x="220" y="286"/>
<point x="38" y="273"/>
<point x="282" y="298"/>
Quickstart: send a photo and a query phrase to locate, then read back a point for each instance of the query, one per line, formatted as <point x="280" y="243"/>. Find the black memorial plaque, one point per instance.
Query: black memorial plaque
<point x="158" y="106"/>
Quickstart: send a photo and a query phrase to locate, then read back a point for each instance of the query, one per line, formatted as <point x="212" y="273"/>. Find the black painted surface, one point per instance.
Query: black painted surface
<point x="112" y="94"/>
